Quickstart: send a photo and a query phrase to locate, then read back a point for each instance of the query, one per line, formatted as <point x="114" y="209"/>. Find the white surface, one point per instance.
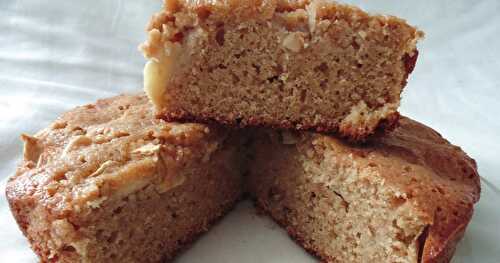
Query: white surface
<point x="58" y="54"/>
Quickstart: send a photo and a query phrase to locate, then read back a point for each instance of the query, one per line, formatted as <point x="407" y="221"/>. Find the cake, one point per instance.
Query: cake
<point x="107" y="182"/>
<point x="404" y="197"/>
<point x="306" y="65"/>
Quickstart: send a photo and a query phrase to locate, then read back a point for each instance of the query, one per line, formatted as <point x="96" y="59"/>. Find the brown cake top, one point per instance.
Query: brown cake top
<point x="182" y="15"/>
<point x="438" y="178"/>
<point x="106" y="150"/>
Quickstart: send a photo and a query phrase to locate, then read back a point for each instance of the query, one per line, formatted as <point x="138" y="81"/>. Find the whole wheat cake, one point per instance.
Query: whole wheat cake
<point x="107" y="182"/>
<point x="404" y="197"/>
<point x="308" y="65"/>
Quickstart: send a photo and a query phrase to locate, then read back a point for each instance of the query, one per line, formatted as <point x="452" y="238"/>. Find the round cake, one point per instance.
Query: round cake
<point x="107" y="182"/>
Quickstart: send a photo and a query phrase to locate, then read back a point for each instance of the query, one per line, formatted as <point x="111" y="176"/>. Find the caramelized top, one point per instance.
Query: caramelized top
<point x="107" y="150"/>
<point x="178" y="16"/>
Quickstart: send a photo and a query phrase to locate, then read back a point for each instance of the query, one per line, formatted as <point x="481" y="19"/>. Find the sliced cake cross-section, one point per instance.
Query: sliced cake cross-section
<point x="405" y="197"/>
<point x="308" y="65"/>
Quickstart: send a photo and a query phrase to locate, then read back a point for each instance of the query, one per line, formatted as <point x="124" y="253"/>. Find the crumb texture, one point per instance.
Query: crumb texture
<point x="314" y="65"/>
<point x="404" y="197"/>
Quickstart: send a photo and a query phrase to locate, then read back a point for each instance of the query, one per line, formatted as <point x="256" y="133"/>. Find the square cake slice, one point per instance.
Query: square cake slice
<point x="404" y="197"/>
<point x="307" y="65"/>
<point x="107" y="182"/>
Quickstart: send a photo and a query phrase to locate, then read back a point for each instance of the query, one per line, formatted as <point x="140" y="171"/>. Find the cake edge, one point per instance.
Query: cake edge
<point x="383" y="126"/>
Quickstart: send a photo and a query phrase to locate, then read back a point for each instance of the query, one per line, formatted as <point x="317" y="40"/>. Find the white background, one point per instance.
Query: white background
<point x="55" y="55"/>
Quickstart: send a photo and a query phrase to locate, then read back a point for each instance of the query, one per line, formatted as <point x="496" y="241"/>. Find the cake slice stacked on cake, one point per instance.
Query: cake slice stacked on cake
<point x="109" y="182"/>
<point x="308" y="65"/>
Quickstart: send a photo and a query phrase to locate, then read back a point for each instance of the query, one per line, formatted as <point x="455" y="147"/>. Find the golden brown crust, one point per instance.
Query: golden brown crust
<point x="460" y="186"/>
<point x="453" y="185"/>
<point x="456" y="180"/>
<point x="72" y="144"/>
<point x="355" y="136"/>
<point x="439" y="178"/>
<point x="259" y="9"/>
<point x="100" y="154"/>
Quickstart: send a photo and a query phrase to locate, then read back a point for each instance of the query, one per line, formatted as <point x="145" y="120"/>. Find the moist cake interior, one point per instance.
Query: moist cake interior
<point x="331" y="209"/>
<point x="320" y="66"/>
